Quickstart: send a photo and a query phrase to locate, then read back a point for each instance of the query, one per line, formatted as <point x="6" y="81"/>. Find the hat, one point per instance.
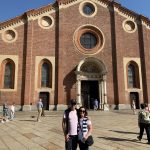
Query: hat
<point x="73" y="102"/>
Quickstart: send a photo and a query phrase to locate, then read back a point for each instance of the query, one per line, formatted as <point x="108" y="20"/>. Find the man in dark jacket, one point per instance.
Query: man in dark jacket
<point x="70" y="125"/>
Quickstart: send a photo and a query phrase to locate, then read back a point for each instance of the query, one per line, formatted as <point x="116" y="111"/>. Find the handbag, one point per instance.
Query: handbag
<point x="89" y="141"/>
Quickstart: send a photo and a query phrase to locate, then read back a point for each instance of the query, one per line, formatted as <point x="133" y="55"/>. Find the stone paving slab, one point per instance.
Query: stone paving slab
<point x="112" y="130"/>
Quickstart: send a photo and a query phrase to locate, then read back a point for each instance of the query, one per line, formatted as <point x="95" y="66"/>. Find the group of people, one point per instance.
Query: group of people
<point x="8" y="112"/>
<point x="144" y="121"/>
<point x="77" y="127"/>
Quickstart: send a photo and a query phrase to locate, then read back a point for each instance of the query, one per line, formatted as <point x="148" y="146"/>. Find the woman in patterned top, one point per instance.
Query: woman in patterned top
<point x="85" y="128"/>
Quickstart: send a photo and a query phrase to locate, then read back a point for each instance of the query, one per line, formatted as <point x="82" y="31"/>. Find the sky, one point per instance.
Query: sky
<point x="11" y="8"/>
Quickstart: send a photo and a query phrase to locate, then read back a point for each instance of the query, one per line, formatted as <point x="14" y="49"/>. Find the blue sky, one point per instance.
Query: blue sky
<point x="12" y="8"/>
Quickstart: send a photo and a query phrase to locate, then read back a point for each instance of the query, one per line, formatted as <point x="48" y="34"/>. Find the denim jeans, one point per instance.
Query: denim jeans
<point x="72" y="143"/>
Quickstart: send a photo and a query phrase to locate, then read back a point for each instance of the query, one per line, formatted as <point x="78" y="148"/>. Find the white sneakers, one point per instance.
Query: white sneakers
<point x="2" y="121"/>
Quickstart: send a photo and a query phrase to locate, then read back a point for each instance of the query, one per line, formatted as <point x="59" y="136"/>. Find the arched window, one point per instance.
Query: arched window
<point x="133" y="76"/>
<point x="45" y="74"/>
<point x="8" y="74"/>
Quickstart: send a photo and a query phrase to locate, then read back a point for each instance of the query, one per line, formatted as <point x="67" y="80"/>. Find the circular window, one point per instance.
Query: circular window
<point x="129" y="26"/>
<point x="88" y="39"/>
<point x="45" y="22"/>
<point x="9" y="35"/>
<point x="88" y="9"/>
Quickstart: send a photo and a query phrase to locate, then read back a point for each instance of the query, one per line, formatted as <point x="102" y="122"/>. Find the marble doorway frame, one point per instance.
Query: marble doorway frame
<point x="99" y="76"/>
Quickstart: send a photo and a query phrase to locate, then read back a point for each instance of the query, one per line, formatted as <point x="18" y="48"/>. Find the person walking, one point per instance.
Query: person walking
<point x="70" y="125"/>
<point x="144" y="122"/>
<point x="85" y="128"/>
<point x="39" y="108"/>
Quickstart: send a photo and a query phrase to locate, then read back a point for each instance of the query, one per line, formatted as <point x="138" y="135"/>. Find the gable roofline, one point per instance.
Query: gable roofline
<point x="27" y="14"/>
<point x="34" y="12"/>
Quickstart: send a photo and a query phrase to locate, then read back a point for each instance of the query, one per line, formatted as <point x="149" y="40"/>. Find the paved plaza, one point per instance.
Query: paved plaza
<point x="112" y="130"/>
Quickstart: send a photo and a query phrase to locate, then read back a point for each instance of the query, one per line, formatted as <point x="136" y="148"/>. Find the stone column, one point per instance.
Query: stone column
<point x="100" y="94"/>
<point x="79" y="92"/>
<point x="106" y="107"/>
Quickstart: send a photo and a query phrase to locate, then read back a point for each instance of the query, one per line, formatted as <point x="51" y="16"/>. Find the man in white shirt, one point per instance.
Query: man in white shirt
<point x="70" y="125"/>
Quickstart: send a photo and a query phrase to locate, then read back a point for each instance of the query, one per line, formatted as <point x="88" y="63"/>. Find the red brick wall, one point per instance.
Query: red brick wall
<point x="58" y="41"/>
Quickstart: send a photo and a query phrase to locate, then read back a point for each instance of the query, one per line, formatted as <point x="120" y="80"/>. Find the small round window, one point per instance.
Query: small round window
<point x="129" y="26"/>
<point x="88" y="40"/>
<point x="88" y="9"/>
<point x="45" y="22"/>
<point x="9" y="35"/>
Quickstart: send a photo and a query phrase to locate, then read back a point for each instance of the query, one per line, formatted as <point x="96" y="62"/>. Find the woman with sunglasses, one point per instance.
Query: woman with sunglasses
<point x="85" y="128"/>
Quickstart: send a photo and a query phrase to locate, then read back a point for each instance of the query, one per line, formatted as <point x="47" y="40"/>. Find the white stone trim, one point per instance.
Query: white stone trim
<point x="126" y="60"/>
<point x="48" y="27"/>
<point x="84" y="26"/>
<point x="38" y="59"/>
<point x="123" y="25"/>
<point x="4" y="34"/>
<point x="81" y="9"/>
<point x="14" y="58"/>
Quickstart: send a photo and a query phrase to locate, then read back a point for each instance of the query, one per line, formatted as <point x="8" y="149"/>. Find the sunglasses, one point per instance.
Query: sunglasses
<point x="82" y="111"/>
<point x="73" y="104"/>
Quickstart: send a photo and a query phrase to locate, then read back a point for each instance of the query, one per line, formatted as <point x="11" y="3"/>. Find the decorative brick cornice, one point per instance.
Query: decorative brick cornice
<point x="29" y="15"/>
<point x="25" y="17"/>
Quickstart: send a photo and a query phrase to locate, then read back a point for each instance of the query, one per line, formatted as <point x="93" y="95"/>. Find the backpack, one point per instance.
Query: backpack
<point x="145" y="117"/>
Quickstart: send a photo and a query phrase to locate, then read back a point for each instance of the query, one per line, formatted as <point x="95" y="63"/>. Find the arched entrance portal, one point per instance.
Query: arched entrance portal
<point x="91" y="83"/>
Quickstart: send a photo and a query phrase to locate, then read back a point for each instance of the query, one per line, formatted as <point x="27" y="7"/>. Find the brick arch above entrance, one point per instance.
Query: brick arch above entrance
<point x="94" y="65"/>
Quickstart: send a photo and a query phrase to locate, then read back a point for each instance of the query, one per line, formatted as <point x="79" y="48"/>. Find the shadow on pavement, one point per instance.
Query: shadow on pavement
<point x="118" y="139"/>
<point x="29" y="120"/>
<point x="125" y="132"/>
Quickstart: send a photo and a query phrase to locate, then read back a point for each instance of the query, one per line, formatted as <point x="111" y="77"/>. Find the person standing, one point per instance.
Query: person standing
<point x="5" y="110"/>
<point x="95" y="104"/>
<point x="70" y="125"/>
<point x="43" y="112"/>
<point x="12" y="111"/>
<point x="133" y="107"/>
<point x="85" y="128"/>
<point x="144" y="122"/>
<point x="39" y="108"/>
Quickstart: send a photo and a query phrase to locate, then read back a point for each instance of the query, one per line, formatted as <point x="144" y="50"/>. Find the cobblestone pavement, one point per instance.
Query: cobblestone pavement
<point x="113" y="130"/>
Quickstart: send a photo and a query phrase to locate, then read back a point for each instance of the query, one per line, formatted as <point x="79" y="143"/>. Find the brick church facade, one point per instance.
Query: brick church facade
<point x="80" y="49"/>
